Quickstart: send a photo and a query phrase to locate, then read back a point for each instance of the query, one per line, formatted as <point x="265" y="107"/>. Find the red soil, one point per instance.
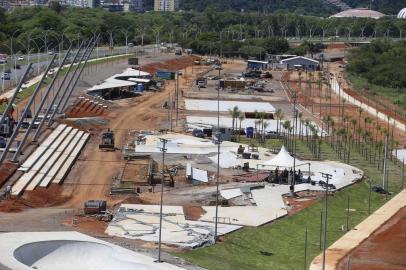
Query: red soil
<point x="7" y="169"/>
<point x="40" y="197"/>
<point x="385" y="249"/>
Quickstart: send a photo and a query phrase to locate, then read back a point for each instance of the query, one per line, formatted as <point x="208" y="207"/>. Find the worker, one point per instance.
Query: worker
<point x="8" y="192"/>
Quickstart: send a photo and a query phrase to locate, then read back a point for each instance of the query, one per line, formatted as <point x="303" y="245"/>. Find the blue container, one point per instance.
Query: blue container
<point x="165" y="74"/>
<point x="249" y="132"/>
<point x="140" y="88"/>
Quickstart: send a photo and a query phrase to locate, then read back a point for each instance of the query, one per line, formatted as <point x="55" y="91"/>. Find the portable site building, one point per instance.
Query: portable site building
<point x="301" y="62"/>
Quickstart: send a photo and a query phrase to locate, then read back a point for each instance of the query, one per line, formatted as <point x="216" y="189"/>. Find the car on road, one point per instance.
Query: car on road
<point x="130" y="45"/>
<point x="51" y="53"/>
<point x="20" y="58"/>
<point x="212" y="77"/>
<point x="198" y="133"/>
<point x="5" y="77"/>
<point x="3" y="61"/>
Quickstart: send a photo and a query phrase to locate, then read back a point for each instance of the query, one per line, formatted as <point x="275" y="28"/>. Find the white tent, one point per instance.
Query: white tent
<point x="283" y="159"/>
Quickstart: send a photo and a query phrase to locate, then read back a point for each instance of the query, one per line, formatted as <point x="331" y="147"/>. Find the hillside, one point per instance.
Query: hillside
<point x="385" y="6"/>
<point x="308" y="7"/>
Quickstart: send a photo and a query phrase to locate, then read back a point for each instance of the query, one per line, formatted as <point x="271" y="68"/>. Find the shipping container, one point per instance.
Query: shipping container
<point x="133" y="61"/>
<point x="165" y="74"/>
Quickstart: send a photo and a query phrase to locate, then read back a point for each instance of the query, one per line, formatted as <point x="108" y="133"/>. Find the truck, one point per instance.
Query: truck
<point x="178" y="51"/>
<point x="107" y="141"/>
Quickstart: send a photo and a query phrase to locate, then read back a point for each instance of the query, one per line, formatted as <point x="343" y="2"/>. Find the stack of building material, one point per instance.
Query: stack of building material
<point x="51" y="161"/>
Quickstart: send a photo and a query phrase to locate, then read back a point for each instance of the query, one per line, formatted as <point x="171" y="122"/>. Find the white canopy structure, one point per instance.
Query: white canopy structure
<point x="133" y="73"/>
<point x="283" y="159"/>
<point x="110" y="83"/>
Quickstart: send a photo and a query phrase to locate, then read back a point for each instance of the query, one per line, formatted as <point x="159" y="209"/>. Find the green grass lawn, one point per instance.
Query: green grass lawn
<point x="396" y="96"/>
<point x="280" y="245"/>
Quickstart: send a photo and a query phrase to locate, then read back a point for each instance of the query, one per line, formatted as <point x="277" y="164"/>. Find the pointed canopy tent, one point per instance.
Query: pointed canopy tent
<point x="283" y="159"/>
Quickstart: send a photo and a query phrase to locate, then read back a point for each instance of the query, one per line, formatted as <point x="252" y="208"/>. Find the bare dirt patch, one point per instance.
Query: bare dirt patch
<point x="40" y="197"/>
<point x="385" y="249"/>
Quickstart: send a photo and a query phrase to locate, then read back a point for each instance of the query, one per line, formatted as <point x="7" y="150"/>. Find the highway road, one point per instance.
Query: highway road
<point x="41" y="61"/>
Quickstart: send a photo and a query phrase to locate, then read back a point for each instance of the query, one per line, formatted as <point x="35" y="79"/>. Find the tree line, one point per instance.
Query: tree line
<point x="210" y="31"/>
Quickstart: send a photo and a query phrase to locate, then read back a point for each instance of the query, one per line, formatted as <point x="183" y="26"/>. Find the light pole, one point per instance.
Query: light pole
<point x="15" y="58"/>
<point x="126" y="39"/>
<point x="294" y="142"/>
<point x="163" y="150"/>
<point x="218" y="157"/>
<point x="327" y="177"/>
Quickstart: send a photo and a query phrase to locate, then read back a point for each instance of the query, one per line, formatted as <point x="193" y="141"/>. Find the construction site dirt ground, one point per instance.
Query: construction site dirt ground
<point x="385" y="249"/>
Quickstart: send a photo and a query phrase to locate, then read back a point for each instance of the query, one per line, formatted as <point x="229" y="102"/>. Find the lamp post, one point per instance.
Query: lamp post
<point x="126" y="39"/>
<point x="163" y="150"/>
<point x="294" y="96"/>
<point x="218" y="157"/>
<point x="12" y="53"/>
<point x="327" y="177"/>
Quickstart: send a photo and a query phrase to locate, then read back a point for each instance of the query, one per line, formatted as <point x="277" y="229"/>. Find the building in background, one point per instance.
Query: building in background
<point x="135" y="6"/>
<point x="402" y="14"/>
<point x="81" y="3"/>
<point x="4" y="4"/>
<point x="359" y="13"/>
<point x="166" y="5"/>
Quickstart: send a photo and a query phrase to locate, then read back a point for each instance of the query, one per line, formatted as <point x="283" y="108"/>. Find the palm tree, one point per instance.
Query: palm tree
<point x="235" y="112"/>
<point x="300" y="116"/>
<point x="241" y="118"/>
<point x="279" y="116"/>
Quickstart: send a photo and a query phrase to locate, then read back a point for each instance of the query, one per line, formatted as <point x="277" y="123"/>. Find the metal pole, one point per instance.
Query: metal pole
<point x="218" y="160"/>
<point x="163" y="149"/>
<point x="348" y="214"/>
<point x="385" y="164"/>
<point x="403" y="173"/>
<point x="50" y="107"/>
<point x="328" y="177"/>
<point x="294" y="143"/>
<point x="177" y="97"/>
<point x="80" y="73"/>
<point x="12" y="99"/>
<point x="321" y="229"/>
<point x="24" y="114"/>
<point x="305" y="252"/>
<point x="56" y="109"/>
<point x="44" y="98"/>
<point x="369" y="196"/>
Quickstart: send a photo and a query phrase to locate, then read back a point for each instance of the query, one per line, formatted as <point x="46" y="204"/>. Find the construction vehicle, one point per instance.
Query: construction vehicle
<point x="107" y="141"/>
<point x="7" y="126"/>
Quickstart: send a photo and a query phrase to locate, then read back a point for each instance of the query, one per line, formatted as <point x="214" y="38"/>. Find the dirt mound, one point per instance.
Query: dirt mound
<point x="85" y="108"/>
<point x="336" y="46"/>
<point x="7" y="169"/>
<point x="40" y="197"/>
<point x="193" y="212"/>
<point x="173" y="64"/>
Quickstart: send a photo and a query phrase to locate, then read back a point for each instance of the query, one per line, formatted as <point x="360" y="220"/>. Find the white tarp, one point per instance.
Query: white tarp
<point x="400" y="154"/>
<point x="196" y="174"/>
<point x="230" y="193"/>
<point x="283" y="159"/>
<point x="225" y="105"/>
<point x="211" y="121"/>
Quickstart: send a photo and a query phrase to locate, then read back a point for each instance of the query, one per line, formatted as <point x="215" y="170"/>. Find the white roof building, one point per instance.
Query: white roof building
<point x="359" y="13"/>
<point x="402" y="14"/>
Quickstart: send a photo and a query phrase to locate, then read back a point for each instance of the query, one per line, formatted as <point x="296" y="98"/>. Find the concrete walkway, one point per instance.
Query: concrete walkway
<point x="337" y="251"/>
